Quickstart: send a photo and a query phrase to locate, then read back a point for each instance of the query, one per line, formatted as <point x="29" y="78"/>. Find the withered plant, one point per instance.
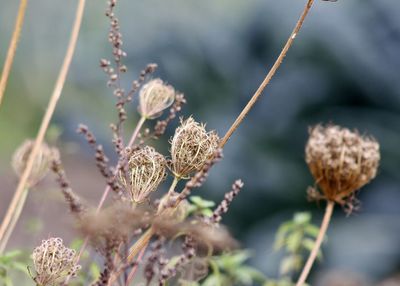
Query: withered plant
<point x="144" y="234"/>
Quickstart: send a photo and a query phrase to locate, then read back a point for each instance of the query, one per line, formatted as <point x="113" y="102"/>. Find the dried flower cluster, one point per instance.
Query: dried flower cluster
<point x="340" y="160"/>
<point x="146" y="170"/>
<point x="191" y="147"/>
<point x="41" y="163"/>
<point x="154" y="97"/>
<point x="53" y="262"/>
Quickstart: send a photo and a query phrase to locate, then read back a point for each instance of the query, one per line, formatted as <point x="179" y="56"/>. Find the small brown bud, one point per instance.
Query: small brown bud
<point x="40" y="166"/>
<point x="191" y="147"/>
<point x="340" y="160"/>
<point x="53" y="262"/>
<point x="154" y="97"/>
<point x="146" y="172"/>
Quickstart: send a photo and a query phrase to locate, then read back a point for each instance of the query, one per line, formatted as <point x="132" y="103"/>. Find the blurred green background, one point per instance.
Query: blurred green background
<point x="343" y="68"/>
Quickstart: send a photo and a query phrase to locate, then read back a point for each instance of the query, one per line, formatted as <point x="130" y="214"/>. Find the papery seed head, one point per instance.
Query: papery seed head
<point x="147" y="169"/>
<point x="340" y="160"/>
<point x="154" y="97"/>
<point x="41" y="163"/>
<point x="53" y="262"/>
<point x="191" y="147"/>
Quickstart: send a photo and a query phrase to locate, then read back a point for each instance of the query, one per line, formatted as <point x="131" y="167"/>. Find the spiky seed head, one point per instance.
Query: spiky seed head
<point x="154" y="97"/>
<point x="147" y="169"/>
<point x="191" y="147"/>
<point x="53" y="262"/>
<point x="41" y="163"/>
<point x="340" y="160"/>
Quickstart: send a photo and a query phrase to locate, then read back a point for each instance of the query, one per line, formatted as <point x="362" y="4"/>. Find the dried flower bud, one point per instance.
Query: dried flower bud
<point x="191" y="147"/>
<point x="41" y="164"/>
<point x="53" y="262"/>
<point x="146" y="172"/>
<point x="341" y="161"/>
<point x="154" y="97"/>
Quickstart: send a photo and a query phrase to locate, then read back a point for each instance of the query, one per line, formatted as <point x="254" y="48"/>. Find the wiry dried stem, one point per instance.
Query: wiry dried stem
<point x="269" y="76"/>
<point x="314" y="252"/>
<point x="47" y="117"/>
<point x="12" y="48"/>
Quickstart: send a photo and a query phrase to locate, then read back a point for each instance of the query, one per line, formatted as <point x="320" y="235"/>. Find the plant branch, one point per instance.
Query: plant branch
<point x="47" y="116"/>
<point x="12" y="48"/>
<point x="314" y="252"/>
<point x="269" y="76"/>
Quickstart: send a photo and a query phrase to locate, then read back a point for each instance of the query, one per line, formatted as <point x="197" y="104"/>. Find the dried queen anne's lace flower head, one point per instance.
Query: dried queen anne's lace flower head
<point x="191" y="147"/>
<point x="341" y="161"/>
<point x="146" y="171"/>
<point x="41" y="163"/>
<point x="53" y="262"/>
<point x="154" y="97"/>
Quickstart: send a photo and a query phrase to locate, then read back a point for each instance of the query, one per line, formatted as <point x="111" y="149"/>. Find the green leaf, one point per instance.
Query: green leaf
<point x="312" y="230"/>
<point x="200" y="202"/>
<point x="293" y="241"/>
<point x="309" y="245"/>
<point x="302" y="218"/>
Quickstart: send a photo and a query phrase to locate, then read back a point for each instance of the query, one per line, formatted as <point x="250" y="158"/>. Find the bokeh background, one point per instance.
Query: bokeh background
<point x="343" y="68"/>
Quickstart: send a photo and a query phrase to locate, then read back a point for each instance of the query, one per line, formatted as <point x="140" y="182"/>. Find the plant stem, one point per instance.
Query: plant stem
<point x="13" y="222"/>
<point x="314" y="252"/>
<point x="269" y="76"/>
<point x="13" y="47"/>
<point x="47" y="117"/>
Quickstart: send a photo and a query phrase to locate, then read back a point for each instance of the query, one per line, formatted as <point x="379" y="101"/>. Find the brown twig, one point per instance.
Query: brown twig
<point x="269" y="76"/>
<point x="47" y="116"/>
<point x="317" y="245"/>
<point x="12" y="48"/>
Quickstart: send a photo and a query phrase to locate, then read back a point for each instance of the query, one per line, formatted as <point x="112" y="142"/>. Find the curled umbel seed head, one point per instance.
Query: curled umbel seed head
<point x="340" y="160"/>
<point x="191" y="147"/>
<point x="53" y="262"/>
<point x="154" y="97"/>
<point x="40" y="165"/>
<point x="146" y="171"/>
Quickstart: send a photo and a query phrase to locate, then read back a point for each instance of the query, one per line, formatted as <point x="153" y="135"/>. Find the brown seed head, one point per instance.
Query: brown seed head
<point x="154" y="97"/>
<point x="41" y="164"/>
<point x="191" y="147"/>
<point x="53" y="262"/>
<point x="340" y="160"/>
<point x="146" y="172"/>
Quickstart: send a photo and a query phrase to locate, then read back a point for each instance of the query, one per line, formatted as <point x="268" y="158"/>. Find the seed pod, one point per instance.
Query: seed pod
<point x="146" y="172"/>
<point x="154" y="97"/>
<point x="191" y="147"/>
<point x="53" y="262"/>
<point x="340" y="160"/>
<point x="41" y="163"/>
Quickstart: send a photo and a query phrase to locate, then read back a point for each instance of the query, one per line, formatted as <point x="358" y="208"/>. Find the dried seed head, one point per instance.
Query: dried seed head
<point x="340" y="160"/>
<point x="53" y="262"/>
<point x="41" y="164"/>
<point x="154" y="97"/>
<point x="146" y="171"/>
<point x="191" y="147"/>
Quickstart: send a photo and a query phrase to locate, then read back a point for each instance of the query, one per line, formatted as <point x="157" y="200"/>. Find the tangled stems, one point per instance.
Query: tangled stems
<point x="269" y="76"/>
<point x="47" y="117"/>
<point x="314" y="252"/>
<point x="12" y="48"/>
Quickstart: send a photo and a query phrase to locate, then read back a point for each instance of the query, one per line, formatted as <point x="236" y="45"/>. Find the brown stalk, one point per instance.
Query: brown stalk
<point x="47" y="117"/>
<point x="13" y="47"/>
<point x="314" y="252"/>
<point x="269" y="76"/>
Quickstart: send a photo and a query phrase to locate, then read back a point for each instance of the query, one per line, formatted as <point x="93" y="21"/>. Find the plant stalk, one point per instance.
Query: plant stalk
<point x="14" y="221"/>
<point x="12" y="49"/>
<point x="269" y="76"/>
<point x="314" y="252"/>
<point x="47" y="117"/>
